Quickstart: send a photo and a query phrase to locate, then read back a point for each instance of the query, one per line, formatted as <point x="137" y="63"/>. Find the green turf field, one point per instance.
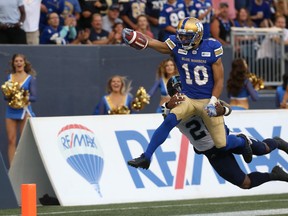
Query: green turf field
<point x="276" y="204"/>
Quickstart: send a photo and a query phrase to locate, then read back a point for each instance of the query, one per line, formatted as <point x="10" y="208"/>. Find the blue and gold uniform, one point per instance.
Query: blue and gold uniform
<point x="196" y="75"/>
<point x="201" y="73"/>
<point x="30" y="85"/>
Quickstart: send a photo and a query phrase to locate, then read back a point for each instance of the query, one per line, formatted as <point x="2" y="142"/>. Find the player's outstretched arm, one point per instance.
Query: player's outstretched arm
<point x="140" y="41"/>
<point x="158" y="45"/>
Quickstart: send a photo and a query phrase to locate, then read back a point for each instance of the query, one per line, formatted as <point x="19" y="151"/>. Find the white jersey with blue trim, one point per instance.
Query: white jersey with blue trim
<point x="196" y="132"/>
<point x="195" y="66"/>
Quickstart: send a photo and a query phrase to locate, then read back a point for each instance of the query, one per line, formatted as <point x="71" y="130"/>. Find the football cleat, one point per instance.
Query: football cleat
<point x="279" y="174"/>
<point x="189" y="32"/>
<point x="282" y="144"/>
<point x="247" y="150"/>
<point x="141" y="162"/>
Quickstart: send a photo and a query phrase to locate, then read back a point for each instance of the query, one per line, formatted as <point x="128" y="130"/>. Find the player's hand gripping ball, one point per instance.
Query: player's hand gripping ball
<point x="134" y="39"/>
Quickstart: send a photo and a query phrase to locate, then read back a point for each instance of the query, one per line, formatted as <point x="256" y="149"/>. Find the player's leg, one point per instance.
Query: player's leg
<point x="281" y="144"/>
<point x="159" y="136"/>
<point x="173" y="118"/>
<point x="227" y="167"/>
<point x="258" y="178"/>
<point x="262" y="147"/>
<point x="162" y="132"/>
<point x="225" y="164"/>
<point x="243" y="143"/>
<point x="216" y="128"/>
<point x="268" y="145"/>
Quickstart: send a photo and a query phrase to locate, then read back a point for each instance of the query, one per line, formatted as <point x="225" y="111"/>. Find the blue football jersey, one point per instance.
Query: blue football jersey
<point x="170" y="15"/>
<point x="199" y="7"/>
<point x="195" y="66"/>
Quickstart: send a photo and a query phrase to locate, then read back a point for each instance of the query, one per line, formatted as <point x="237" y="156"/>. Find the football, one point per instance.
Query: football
<point x="135" y="39"/>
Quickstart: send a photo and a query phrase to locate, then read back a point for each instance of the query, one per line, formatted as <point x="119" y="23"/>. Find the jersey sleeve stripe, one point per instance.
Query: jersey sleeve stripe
<point x="170" y="44"/>
<point x="218" y="52"/>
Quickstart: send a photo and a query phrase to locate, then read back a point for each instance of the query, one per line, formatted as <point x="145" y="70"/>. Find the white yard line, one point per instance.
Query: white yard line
<point x="236" y="213"/>
<point x="242" y="213"/>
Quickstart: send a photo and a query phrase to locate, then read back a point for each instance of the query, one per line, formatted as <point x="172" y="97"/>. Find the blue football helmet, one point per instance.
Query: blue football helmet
<point x="189" y="32"/>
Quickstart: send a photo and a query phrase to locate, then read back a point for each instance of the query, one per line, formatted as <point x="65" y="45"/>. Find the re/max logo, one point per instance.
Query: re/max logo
<point x="178" y="179"/>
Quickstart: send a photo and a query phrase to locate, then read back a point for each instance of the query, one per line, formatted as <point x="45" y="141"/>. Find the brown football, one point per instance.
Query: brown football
<point x="136" y="40"/>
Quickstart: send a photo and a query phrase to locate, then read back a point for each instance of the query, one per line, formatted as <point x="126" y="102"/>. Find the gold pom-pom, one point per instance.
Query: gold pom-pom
<point x="119" y="110"/>
<point x="141" y="99"/>
<point x="17" y="96"/>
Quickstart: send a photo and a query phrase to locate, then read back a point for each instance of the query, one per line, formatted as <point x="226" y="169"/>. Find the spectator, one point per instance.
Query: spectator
<point x="202" y="10"/>
<point x="221" y="25"/>
<point x="12" y="17"/>
<point x="118" y="99"/>
<point x="243" y="19"/>
<point x="112" y="17"/>
<point x="97" y="34"/>
<point x="90" y="7"/>
<point x="130" y="11"/>
<point x="152" y="11"/>
<point x="231" y="9"/>
<point x="116" y="33"/>
<point x="281" y="7"/>
<point x="71" y="8"/>
<point x="244" y="44"/>
<point x="82" y="37"/>
<point x="143" y="26"/>
<point x="280" y="22"/>
<point x="270" y="51"/>
<point x="280" y="92"/>
<point x="47" y="7"/>
<point x="173" y="11"/>
<point x="260" y="13"/>
<point x="239" y="87"/>
<point x="32" y="21"/>
<point x="166" y="70"/>
<point x="56" y="34"/>
<point x="18" y="111"/>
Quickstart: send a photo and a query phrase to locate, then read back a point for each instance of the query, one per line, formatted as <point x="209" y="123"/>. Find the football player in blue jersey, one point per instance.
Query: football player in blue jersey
<point x="202" y="10"/>
<point x="224" y="162"/>
<point x="173" y="11"/>
<point x="202" y="75"/>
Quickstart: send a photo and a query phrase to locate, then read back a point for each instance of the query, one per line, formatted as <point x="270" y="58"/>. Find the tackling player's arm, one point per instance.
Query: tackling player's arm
<point x="222" y="108"/>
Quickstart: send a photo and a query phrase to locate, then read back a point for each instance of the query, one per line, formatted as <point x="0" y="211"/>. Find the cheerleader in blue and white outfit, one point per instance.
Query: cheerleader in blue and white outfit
<point x="118" y="97"/>
<point x="166" y="70"/>
<point x="22" y="73"/>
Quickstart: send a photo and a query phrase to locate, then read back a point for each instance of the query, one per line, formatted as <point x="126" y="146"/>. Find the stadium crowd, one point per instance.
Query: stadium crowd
<point x="97" y="21"/>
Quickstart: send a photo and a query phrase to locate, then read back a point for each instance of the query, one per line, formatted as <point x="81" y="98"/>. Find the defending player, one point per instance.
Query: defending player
<point x="224" y="162"/>
<point x="201" y="72"/>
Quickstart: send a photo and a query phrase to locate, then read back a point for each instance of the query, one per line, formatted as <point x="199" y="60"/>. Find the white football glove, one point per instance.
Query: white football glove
<point x="210" y="107"/>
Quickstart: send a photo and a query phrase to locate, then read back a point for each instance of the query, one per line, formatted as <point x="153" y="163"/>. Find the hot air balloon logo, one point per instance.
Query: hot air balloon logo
<point x="82" y="152"/>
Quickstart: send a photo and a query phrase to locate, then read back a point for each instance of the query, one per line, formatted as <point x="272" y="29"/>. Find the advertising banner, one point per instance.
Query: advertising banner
<point x="82" y="160"/>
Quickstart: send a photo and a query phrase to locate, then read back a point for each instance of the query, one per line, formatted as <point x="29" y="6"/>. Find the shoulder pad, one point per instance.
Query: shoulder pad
<point x="215" y="45"/>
